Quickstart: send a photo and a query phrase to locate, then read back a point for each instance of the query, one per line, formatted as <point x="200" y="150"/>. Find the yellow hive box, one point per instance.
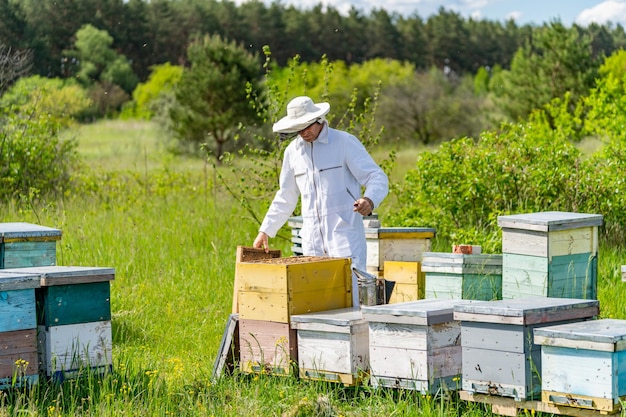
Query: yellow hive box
<point x="409" y="280"/>
<point x="275" y="289"/>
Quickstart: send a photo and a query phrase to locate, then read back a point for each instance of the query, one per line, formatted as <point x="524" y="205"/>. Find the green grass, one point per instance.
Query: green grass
<point x="171" y="236"/>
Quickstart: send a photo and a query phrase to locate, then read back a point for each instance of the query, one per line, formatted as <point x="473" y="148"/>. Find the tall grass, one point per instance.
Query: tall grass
<point x="171" y="235"/>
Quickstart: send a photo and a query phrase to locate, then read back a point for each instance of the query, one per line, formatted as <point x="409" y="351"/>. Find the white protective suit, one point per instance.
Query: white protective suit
<point x="328" y="174"/>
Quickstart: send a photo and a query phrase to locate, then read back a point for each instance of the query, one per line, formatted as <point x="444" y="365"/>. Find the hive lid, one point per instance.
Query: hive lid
<point x="338" y="317"/>
<point x="18" y="280"/>
<point x="64" y="275"/>
<point x="449" y="258"/>
<point x="607" y="335"/>
<point x="549" y="221"/>
<point x="425" y="312"/>
<point x="27" y="231"/>
<point x="528" y="310"/>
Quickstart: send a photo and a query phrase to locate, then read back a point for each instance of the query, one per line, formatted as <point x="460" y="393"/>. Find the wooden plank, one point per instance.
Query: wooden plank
<point x="415" y="364"/>
<point x="67" y="275"/>
<point x="267" y="347"/>
<point x="75" y="346"/>
<point x="424" y="312"/>
<point x="405" y="292"/>
<point x="404" y="272"/>
<point x="530" y="310"/>
<point x="18" y="345"/>
<point x="228" y="352"/>
<point x="18" y="280"/>
<point x="608" y="335"/>
<point x="17" y="310"/>
<point x="71" y="304"/>
<point x="246" y="254"/>
<point x="22" y="231"/>
<point x="549" y="221"/>
<point x="509" y="406"/>
<point x="295" y="274"/>
<point x="279" y="307"/>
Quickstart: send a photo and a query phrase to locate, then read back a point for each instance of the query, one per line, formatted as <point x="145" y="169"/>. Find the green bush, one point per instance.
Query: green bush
<point x="462" y="187"/>
<point x="34" y="160"/>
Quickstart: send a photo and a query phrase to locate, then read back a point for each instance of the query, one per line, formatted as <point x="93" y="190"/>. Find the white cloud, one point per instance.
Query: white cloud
<point x="514" y="15"/>
<point x="607" y="11"/>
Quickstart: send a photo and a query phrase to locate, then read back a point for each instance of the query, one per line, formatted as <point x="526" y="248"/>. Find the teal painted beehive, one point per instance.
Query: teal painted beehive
<point x="73" y="318"/>
<point x="499" y="356"/>
<point x="598" y="380"/>
<point x="18" y="329"/>
<point x="463" y="276"/>
<point x="550" y="254"/>
<point x="25" y="245"/>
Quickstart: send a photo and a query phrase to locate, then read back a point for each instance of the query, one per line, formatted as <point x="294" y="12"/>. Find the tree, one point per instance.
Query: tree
<point x="13" y="65"/>
<point x="211" y="96"/>
<point x="556" y="61"/>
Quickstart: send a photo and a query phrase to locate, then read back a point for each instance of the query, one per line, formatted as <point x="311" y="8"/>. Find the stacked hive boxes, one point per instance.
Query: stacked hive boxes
<point x="332" y="345"/>
<point x="70" y="306"/>
<point x="18" y="329"/>
<point x="550" y="254"/>
<point x="25" y="244"/>
<point x="463" y="276"/>
<point x="395" y="254"/>
<point x="271" y="291"/>
<point x="415" y="345"/>
<point x="598" y="350"/>
<point x="499" y="356"/>
<point x="74" y="319"/>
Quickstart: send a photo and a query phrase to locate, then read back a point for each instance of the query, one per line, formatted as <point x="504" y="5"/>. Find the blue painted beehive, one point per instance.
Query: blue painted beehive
<point x="74" y="319"/>
<point x="25" y="244"/>
<point x="18" y="329"/>
<point x="598" y="350"/>
<point x="550" y="254"/>
<point x="499" y="356"/>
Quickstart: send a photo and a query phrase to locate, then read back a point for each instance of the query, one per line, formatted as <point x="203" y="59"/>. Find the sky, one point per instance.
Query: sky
<point x="536" y="12"/>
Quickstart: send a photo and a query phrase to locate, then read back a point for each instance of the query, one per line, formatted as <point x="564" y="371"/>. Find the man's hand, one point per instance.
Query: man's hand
<point x="364" y="206"/>
<point x="261" y="242"/>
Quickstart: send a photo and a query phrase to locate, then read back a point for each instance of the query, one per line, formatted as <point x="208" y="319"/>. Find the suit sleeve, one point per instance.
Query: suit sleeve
<point x="284" y="202"/>
<point x="366" y="171"/>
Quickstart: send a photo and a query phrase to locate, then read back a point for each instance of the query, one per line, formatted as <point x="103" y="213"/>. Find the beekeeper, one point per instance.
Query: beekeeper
<point x="327" y="169"/>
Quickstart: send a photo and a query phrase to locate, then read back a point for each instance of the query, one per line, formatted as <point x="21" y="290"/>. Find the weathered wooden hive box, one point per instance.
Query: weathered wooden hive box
<point x="463" y="276"/>
<point x="333" y="345"/>
<point x="415" y="345"/>
<point x="18" y="329"/>
<point x="583" y="364"/>
<point x="270" y="291"/>
<point x="550" y="254"/>
<point x="408" y="281"/>
<point x="395" y="244"/>
<point x="499" y="355"/>
<point x="24" y="244"/>
<point x="73" y="319"/>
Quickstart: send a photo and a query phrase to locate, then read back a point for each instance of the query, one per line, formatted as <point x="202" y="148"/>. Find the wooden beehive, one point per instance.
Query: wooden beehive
<point x="415" y="345"/>
<point x="24" y="245"/>
<point x="499" y="355"/>
<point x="275" y="289"/>
<point x="396" y="244"/>
<point x="598" y="350"/>
<point x="18" y="329"/>
<point x="267" y="347"/>
<point x="73" y="319"/>
<point x="550" y="254"/>
<point x="332" y="345"/>
<point x="463" y="276"/>
<point x="408" y="281"/>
